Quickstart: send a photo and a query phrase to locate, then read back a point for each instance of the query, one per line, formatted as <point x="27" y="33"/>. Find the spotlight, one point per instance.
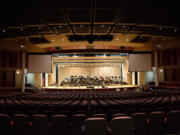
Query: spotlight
<point x="4" y="31"/>
<point x="161" y="70"/>
<point x="21" y="29"/>
<point x="127" y="39"/>
<point x="175" y="30"/>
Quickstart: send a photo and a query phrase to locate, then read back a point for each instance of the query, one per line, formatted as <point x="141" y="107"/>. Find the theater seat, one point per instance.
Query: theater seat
<point x="173" y="121"/>
<point x="4" y="124"/>
<point x="59" y="125"/>
<point x="139" y="121"/>
<point x="122" y="126"/>
<point x="156" y="123"/>
<point x="95" y="126"/>
<point x="77" y="124"/>
<point x="21" y="124"/>
<point x="39" y="124"/>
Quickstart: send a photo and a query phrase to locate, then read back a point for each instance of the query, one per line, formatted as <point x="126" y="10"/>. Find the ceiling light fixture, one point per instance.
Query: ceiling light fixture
<point x="21" y="29"/>
<point x="175" y="30"/>
<point x="3" y="30"/>
<point x="22" y="46"/>
<point x="63" y="39"/>
<point x="127" y="39"/>
<point x="117" y="38"/>
<point x="17" y="72"/>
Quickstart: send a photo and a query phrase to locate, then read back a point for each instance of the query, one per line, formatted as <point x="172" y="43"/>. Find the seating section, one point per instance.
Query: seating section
<point x="87" y="113"/>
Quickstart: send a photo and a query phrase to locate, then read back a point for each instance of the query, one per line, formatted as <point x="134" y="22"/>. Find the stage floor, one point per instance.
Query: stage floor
<point x="85" y="87"/>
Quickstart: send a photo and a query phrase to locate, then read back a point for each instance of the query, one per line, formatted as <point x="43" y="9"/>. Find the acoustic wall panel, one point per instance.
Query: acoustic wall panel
<point x="39" y="64"/>
<point x="140" y="62"/>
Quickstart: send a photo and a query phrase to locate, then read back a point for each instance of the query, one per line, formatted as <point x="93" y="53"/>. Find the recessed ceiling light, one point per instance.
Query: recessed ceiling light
<point x="3" y="30"/>
<point x="175" y="30"/>
<point x="158" y="45"/>
<point x="21" y="29"/>
<point x="127" y="39"/>
<point x="22" y="46"/>
<point x="17" y="72"/>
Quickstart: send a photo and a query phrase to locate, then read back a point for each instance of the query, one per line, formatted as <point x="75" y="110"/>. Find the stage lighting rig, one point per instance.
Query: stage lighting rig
<point x="89" y="38"/>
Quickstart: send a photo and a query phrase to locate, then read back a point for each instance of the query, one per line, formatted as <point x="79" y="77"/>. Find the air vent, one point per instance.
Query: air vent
<point x="38" y="40"/>
<point x="140" y="39"/>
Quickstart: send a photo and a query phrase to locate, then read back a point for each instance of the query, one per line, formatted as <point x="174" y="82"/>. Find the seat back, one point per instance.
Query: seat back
<point x="156" y="123"/>
<point x="78" y="124"/>
<point x="173" y="121"/>
<point x="95" y="126"/>
<point x="122" y="126"/>
<point x="4" y="124"/>
<point x="39" y="124"/>
<point x="21" y="124"/>
<point x="59" y="125"/>
<point x="139" y="121"/>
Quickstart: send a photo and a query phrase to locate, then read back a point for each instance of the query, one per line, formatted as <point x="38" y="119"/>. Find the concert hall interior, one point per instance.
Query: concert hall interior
<point x="89" y="67"/>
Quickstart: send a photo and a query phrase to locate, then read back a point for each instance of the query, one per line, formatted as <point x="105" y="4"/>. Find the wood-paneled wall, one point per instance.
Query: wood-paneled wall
<point x="170" y="60"/>
<point x="9" y="62"/>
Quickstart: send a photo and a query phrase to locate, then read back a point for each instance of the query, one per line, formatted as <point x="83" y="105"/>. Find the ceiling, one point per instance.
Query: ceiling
<point x="55" y="19"/>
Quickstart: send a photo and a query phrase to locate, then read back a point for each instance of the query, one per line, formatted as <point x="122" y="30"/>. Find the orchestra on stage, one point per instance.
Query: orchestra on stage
<point x="92" y="81"/>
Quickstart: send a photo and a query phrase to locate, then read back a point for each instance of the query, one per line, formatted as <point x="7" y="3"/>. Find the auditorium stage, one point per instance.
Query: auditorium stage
<point x="94" y="87"/>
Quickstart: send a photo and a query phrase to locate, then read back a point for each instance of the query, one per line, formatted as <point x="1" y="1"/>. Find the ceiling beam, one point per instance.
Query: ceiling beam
<point x="93" y="11"/>
<point x="119" y="15"/>
<point x="66" y="15"/>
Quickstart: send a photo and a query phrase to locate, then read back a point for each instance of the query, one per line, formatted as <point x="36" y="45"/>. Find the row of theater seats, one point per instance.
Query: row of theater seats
<point x="156" y="123"/>
<point x="69" y="103"/>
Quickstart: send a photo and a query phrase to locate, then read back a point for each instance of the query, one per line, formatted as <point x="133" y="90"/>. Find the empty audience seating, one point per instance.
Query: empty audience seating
<point x="68" y="113"/>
